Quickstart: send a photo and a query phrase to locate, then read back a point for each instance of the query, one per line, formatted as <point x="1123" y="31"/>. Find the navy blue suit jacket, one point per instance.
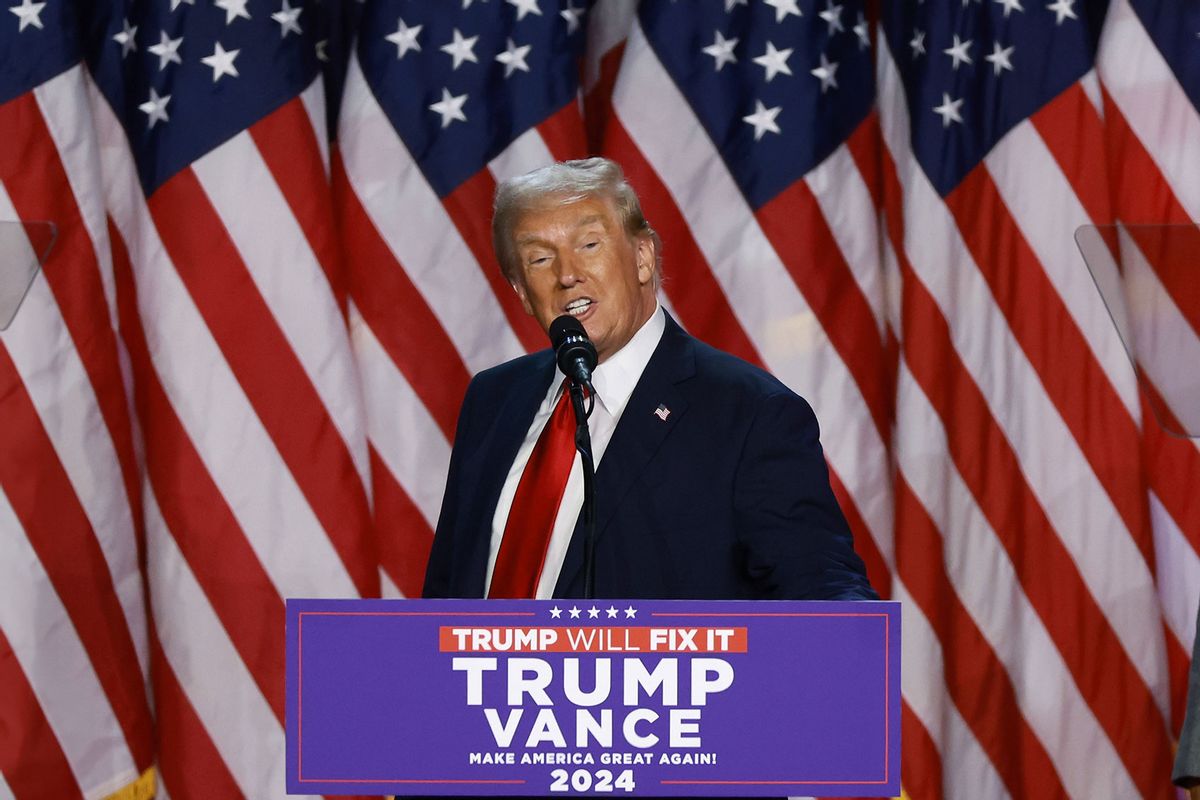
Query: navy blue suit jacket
<point x="728" y="497"/>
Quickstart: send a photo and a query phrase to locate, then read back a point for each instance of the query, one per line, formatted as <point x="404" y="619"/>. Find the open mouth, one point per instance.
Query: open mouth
<point x="578" y="307"/>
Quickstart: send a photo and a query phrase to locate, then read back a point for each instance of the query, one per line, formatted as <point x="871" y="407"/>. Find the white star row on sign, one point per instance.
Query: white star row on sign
<point x="783" y="8"/>
<point x="593" y="612"/>
<point x="288" y="19"/>
<point x="763" y="119"/>
<point x="28" y="13"/>
<point x="450" y="107"/>
<point x="774" y="61"/>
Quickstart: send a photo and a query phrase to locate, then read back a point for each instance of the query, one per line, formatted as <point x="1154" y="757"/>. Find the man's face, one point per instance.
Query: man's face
<point x="577" y="259"/>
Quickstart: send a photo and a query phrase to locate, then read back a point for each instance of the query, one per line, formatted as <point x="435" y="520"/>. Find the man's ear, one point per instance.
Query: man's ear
<point x="644" y="253"/>
<point x="519" y="288"/>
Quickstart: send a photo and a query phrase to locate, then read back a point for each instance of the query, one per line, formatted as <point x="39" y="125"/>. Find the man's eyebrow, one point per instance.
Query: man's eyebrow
<point x="532" y="238"/>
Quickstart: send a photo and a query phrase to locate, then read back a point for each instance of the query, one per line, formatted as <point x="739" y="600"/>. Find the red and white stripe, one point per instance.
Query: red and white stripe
<point x="1151" y="134"/>
<point x="72" y="612"/>
<point x="1039" y="455"/>
<point x="429" y="306"/>
<point x="256" y="456"/>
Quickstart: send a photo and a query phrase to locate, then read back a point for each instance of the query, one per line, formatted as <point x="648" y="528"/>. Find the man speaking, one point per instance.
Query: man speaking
<point x="710" y="481"/>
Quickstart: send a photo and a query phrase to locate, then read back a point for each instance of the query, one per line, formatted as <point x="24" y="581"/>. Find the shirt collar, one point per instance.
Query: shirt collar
<point x="616" y="378"/>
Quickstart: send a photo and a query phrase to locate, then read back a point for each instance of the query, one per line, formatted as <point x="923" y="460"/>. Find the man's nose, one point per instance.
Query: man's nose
<point x="569" y="273"/>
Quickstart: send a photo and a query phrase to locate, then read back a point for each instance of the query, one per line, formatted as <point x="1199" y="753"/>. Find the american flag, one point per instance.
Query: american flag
<point x="236" y="379"/>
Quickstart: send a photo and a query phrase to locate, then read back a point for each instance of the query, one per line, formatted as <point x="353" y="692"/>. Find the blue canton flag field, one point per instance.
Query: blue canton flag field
<point x="237" y="377"/>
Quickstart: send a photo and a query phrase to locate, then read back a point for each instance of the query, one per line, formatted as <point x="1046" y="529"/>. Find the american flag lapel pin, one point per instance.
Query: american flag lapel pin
<point x="662" y="412"/>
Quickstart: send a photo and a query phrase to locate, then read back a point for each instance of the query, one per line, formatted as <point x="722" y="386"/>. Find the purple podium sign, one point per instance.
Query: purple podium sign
<point x="624" y="697"/>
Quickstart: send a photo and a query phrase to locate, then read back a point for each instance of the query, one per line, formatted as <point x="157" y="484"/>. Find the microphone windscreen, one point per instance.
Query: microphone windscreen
<point x="565" y="326"/>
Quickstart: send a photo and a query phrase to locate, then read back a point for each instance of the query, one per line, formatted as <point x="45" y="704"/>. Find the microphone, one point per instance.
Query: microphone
<point x="574" y="351"/>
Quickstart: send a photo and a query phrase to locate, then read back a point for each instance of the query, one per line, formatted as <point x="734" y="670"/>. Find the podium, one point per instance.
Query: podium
<point x="597" y="697"/>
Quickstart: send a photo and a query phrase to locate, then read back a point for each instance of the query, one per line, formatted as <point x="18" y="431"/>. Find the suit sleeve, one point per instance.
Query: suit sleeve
<point x="439" y="567"/>
<point x="1186" y="772"/>
<point x="796" y="540"/>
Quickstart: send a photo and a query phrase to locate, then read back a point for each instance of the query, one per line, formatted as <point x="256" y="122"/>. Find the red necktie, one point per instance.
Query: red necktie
<point x="535" y="506"/>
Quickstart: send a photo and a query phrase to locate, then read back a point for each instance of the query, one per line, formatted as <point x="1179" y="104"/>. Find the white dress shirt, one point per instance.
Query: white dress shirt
<point x="614" y="381"/>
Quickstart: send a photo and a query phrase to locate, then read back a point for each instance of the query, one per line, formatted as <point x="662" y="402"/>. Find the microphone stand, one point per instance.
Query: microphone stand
<point x="583" y="443"/>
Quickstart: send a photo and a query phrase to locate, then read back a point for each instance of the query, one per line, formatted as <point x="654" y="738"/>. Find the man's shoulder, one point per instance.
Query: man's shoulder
<point x="503" y="376"/>
<point x="731" y="372"/>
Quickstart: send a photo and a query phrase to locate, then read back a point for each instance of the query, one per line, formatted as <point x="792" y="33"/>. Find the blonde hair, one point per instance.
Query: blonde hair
<point x="566" y="182"/>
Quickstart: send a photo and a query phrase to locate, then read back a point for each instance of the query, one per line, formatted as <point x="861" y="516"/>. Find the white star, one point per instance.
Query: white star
<point x="1062" y="9"/>
<point x="833" y="16"/>
<point x="405" y="38"/>
<point x="288" y="19"/>
<point x="862" y="32"/>
<point x="1011" y="6"/>
<point x="949" y="110"/>
<point x="763" y="119"/>
<point x="783" y="8"/>
<point x="556" y="612"/>
<point x="774" y="61"/>
<point x="729" y="4"/>
<point x="611" y="611"/>
<point x="450" y="107"/>
<point x="999" y="58"/>
<point x="571" y="14"/>
<point x="233" y="9"/>
<point x="167" y="50"/>
<point x="574" y="613"/>
<point x="29" y="13"/>
<point x="514" y="58"/>
<point x="722" y="50"/>
<point x="526" y="7"/>
<point x="320" y="48"/>
<point x="156" y="108"/>
<point x="177" y="3"/>
<point x="461" y="49"/>
<point x="918" y="43"/>
<point x="125" y="38"/>
<point x="959" y="51"/>
<point x="593" y="612"/>
<point x="221" y="62"/>
<point x="630" y="612"/>
<point x="827" y="73"/>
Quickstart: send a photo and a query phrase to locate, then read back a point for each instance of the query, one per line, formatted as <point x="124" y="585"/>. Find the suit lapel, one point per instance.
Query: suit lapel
<point x="638" y="436"/>
<point x="510" y="421"/>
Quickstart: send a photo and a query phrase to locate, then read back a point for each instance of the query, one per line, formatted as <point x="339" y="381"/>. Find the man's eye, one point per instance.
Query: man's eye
<point x="591" y="245"/>
<point x="533" y="262"/>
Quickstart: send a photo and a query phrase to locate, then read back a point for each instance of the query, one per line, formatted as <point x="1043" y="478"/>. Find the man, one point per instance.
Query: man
<point x="710" y="480"/>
